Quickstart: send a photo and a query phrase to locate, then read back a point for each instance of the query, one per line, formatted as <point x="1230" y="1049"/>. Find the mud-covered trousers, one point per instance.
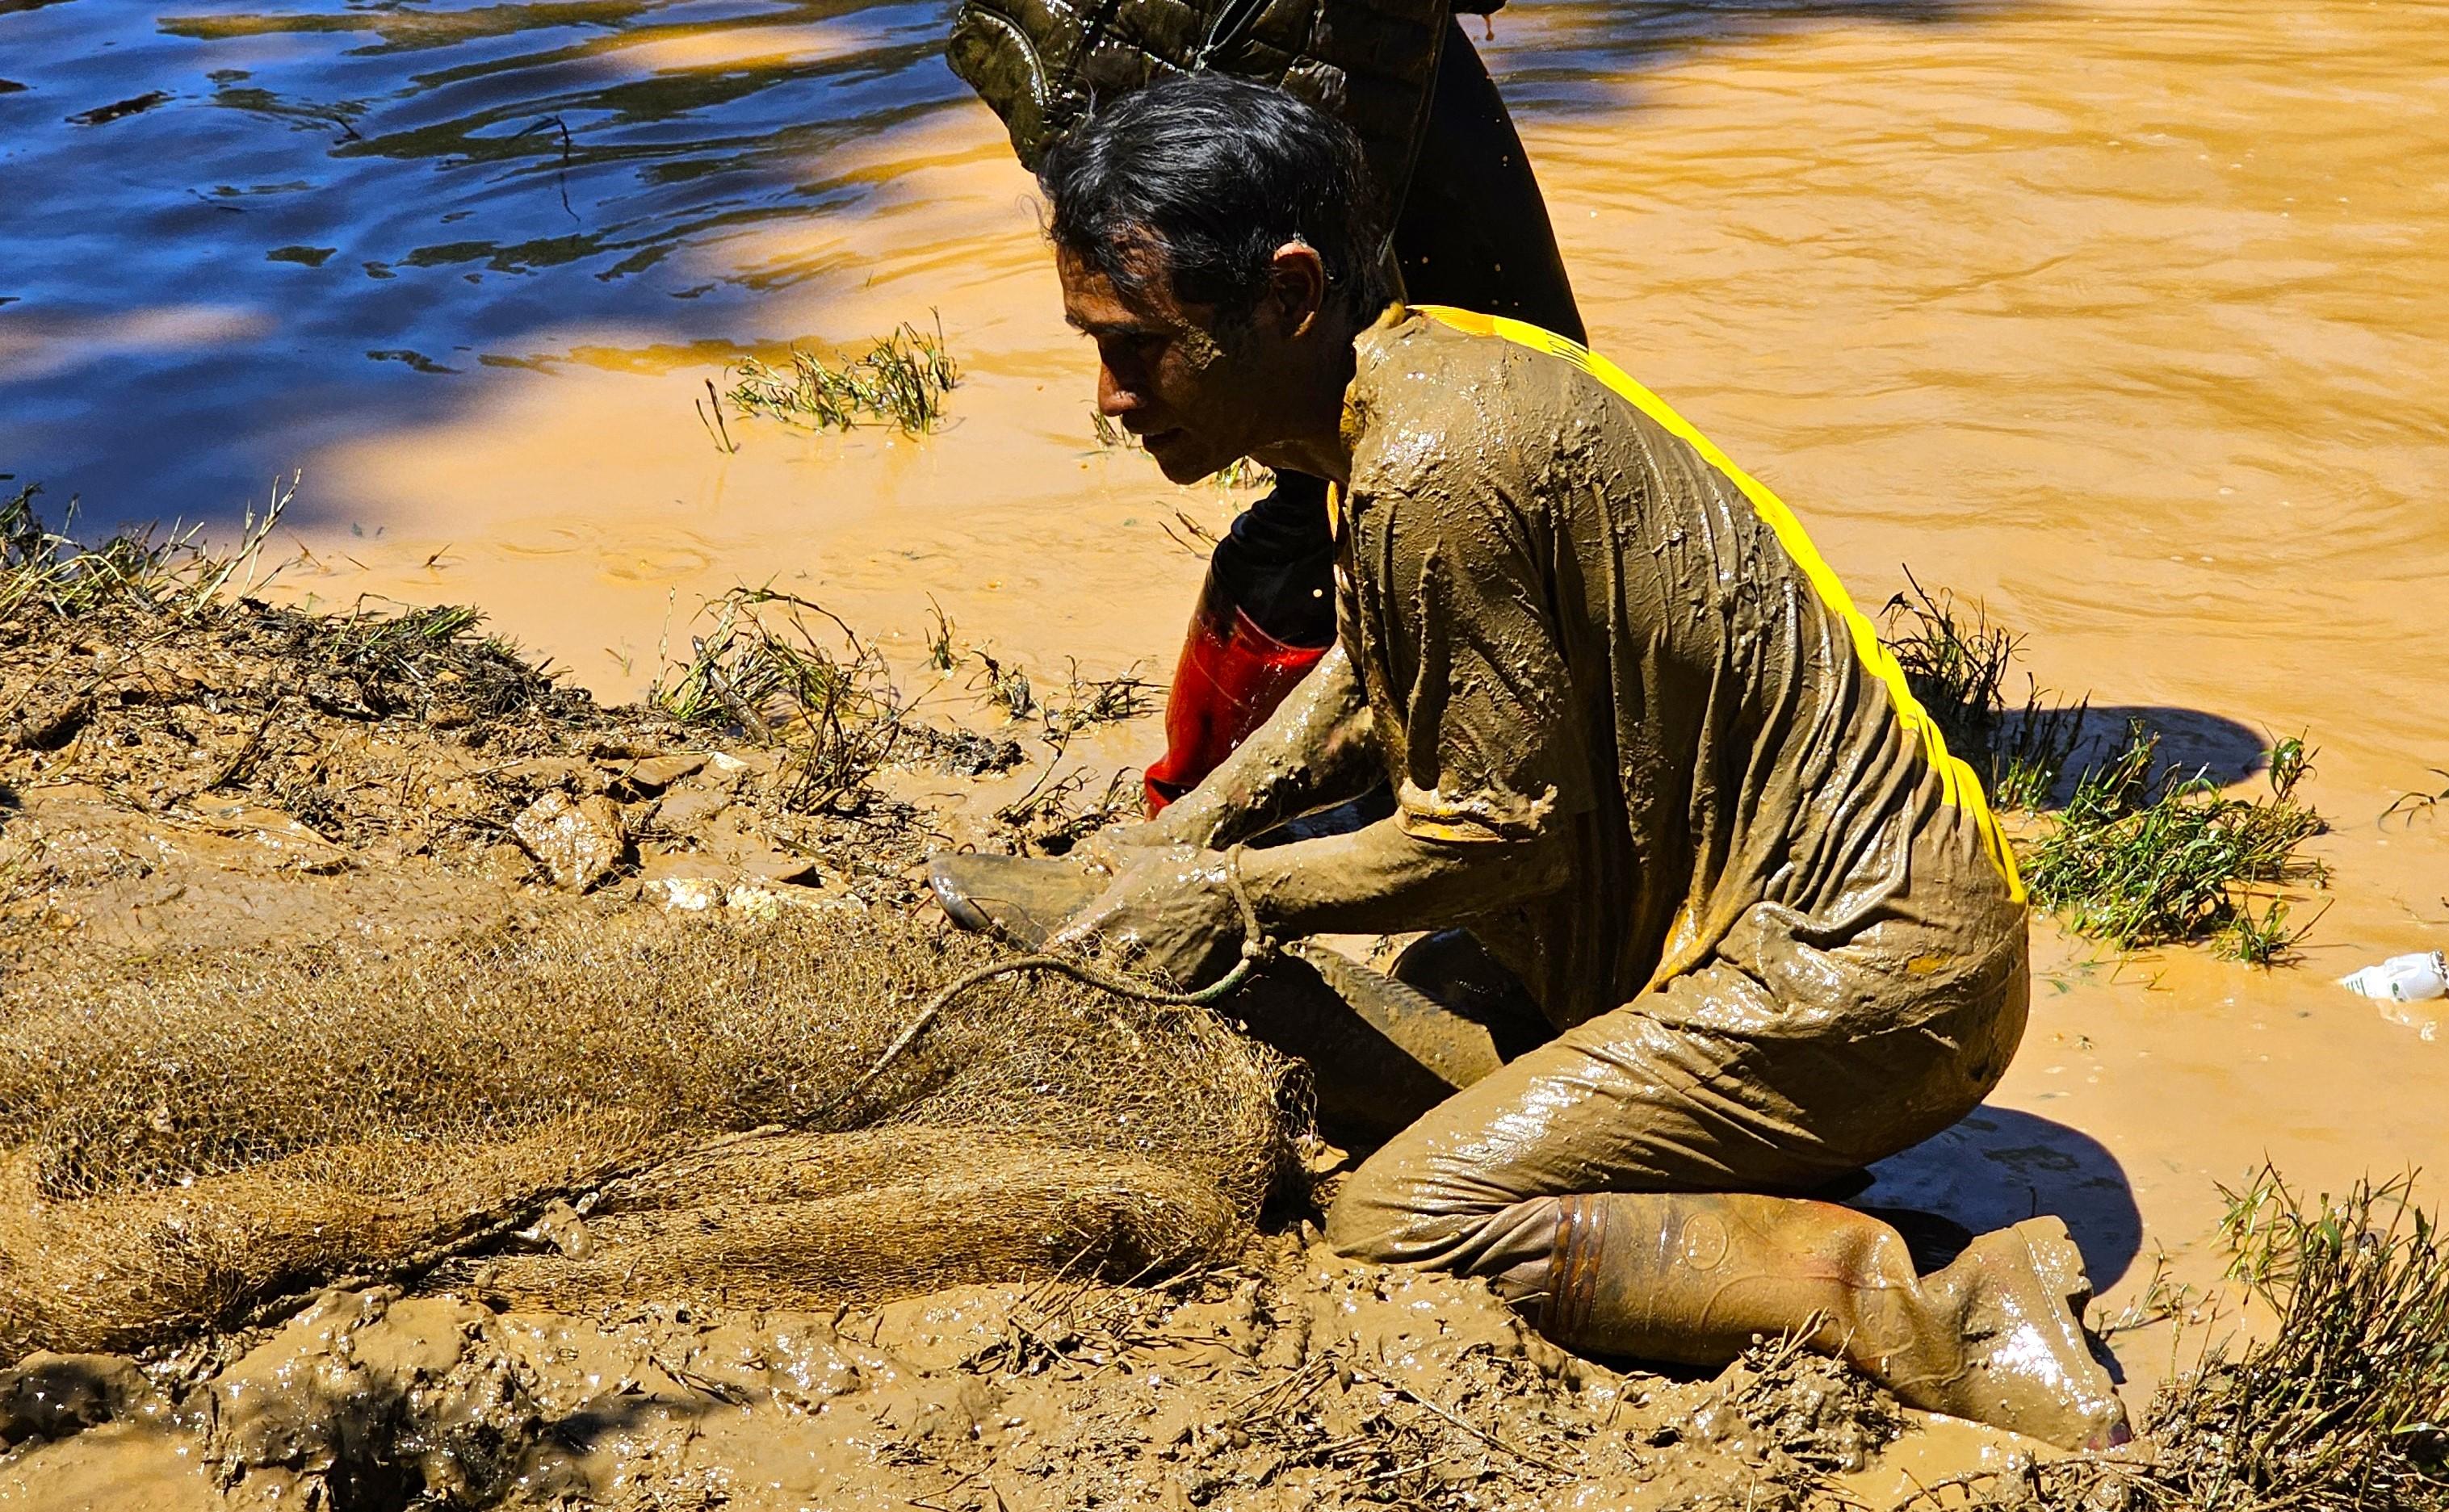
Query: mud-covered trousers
<point x="1791" y="1056"/>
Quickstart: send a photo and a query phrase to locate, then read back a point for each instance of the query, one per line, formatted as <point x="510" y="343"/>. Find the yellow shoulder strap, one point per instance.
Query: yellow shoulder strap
<point x="1961" y="786"/>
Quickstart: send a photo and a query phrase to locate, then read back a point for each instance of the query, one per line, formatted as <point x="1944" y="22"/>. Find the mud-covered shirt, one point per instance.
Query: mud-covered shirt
<point x="1576" y="620"/>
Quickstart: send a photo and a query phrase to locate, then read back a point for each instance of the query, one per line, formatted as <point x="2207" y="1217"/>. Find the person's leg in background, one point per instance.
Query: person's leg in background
<point x="1473" y="232"/>
<point x="1265" y="617"/>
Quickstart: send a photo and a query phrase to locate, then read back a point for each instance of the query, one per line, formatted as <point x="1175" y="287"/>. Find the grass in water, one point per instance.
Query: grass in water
<point x="1956" y="663"/>
<point x="2143" y="856"/>
<point x="2349" y="1404"/>
<point x="941" y="653"/>
<point x="901" y="380"/>
<point x="1087" y="701"/>
<point x="1007" y="687"/>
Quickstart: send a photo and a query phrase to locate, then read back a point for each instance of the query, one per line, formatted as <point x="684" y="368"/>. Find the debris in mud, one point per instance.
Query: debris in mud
<point x="1286" y="1379"/>
<point x="579" y="844"/>
<point x="1057" y="813"/>
<point x="1799" y="1413"/>
<point x="164" y="738"/>
<point x="1090" y="701"/>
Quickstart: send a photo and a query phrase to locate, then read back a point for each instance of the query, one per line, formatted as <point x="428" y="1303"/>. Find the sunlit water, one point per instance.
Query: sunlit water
<point x="2130" y="318"/>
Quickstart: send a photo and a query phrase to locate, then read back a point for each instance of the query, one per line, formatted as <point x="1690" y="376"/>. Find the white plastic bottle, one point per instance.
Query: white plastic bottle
<point x="2402" y="978"/>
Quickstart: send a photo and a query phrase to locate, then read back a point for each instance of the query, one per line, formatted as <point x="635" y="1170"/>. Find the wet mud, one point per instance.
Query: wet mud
<point x="1287" y="1379"/>
<point x="703" y="1326"/>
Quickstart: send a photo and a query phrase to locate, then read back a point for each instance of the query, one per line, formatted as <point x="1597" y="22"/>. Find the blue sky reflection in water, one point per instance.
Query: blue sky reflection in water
<point x="229" y="237"/>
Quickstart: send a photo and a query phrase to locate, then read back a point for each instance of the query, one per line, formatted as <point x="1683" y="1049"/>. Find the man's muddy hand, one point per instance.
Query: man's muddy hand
<point x="1117" y="848"/>
<point x="1169" y="912"/>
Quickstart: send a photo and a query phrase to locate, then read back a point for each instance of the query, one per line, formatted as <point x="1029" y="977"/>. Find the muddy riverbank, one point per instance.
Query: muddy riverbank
<point x="442" y="863"/>
<point x="202" y="787"/>
<point x="2118" y="318"/>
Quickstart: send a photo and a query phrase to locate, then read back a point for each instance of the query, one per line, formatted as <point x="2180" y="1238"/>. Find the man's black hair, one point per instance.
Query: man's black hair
<point x="1212" y="174"/>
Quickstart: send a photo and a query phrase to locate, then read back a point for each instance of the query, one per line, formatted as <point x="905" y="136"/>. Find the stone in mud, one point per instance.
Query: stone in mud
<point x="578" y="844"/>
<point x="685" y="894"/>
<point x="52" y="1396"/>
<point x="49" y="727"/>
<point x="656" y="773"/>
<point x="688" y="809"/>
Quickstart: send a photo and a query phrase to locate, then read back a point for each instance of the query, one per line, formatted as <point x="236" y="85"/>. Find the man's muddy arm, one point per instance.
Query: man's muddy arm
<point x="1315" y="750"/>
<point x="1381" y="880"/>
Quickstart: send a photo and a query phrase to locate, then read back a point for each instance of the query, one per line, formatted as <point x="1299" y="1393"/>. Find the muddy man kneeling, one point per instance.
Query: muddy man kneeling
<point x="1711" y="915"/>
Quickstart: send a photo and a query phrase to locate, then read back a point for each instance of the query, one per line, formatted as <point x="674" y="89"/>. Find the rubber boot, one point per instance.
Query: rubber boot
<point x="1692" y="1277"/>
<point x="1022" y="899"/>
<point x="1231" y="676"/>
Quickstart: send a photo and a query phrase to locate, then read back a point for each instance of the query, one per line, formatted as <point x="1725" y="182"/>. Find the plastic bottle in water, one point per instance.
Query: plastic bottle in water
<point x="2402" y="978"/>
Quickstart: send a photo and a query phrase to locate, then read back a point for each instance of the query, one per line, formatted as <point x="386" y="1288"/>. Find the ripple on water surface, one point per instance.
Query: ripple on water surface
<point x="235" y="235"/>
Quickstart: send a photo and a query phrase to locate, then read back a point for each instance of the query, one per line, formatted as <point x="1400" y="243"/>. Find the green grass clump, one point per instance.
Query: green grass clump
<point x="2347" y="1406"/>
<point x="1956" y="663"/>
<point x="901" y="379"/>
<point x="2142" y="855"/>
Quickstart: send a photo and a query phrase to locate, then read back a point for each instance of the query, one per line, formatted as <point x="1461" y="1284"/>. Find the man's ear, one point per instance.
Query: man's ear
<point x="1296" y="287"/>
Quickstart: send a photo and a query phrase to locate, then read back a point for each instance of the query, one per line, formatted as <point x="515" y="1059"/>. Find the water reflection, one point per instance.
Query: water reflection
<point x="375" y="201"/>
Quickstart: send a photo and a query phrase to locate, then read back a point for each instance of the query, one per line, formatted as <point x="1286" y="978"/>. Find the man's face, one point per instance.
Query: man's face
<point x="1197" y="402"/>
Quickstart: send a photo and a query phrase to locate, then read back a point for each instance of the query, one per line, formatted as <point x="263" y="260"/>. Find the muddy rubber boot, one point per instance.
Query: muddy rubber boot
<point x="2017" y="1293"/>
<point x="1692" y="1277"/>
<point x="1020" y="898"/>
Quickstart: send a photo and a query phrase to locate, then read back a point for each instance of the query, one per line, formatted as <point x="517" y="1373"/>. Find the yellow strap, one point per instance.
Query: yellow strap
<point x="1957" y="781"/>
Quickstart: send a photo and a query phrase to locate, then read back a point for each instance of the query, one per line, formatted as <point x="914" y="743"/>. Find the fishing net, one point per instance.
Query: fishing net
<point x="624" y="1104"/>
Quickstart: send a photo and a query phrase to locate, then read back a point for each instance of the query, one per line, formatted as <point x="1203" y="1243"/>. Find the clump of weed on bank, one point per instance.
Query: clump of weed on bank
<point x="2142" y="852"/>
<point x="2148" y="854"/>
<point x="758" y="669"/>
<point x="97" y="635"/>
<point x="901" y="381"/>
<point x="1956" y="661"/>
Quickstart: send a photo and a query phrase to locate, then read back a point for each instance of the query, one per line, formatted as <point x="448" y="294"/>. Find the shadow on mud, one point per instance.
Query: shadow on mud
<point x="2000" y="1166"/>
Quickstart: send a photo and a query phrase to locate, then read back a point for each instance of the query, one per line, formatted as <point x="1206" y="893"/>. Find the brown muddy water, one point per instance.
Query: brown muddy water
<point x="2127" y="319"/>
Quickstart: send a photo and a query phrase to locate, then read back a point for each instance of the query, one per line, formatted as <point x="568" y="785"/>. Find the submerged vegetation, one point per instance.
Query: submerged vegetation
<point x="2145" y="854"/>
<point x="901" y="380"/>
